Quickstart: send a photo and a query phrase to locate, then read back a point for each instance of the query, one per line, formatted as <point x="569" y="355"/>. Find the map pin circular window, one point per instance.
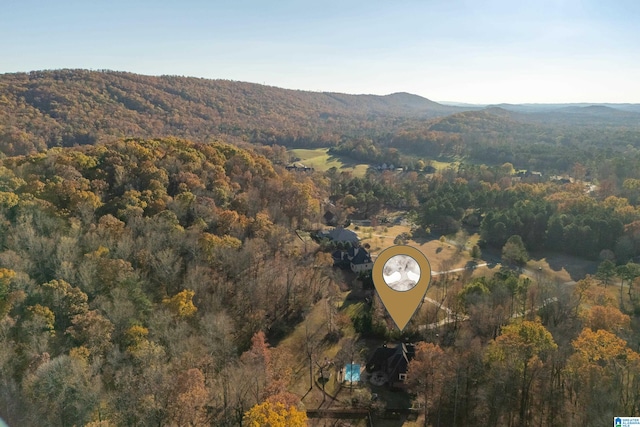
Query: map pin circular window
<point x="401" y="273"/>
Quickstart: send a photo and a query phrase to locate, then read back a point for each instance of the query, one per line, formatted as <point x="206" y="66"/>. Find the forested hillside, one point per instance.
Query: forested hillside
<point x="133" y="275"/>
<point x="69" y="107"/>
<point x="549" y="142"/>
<point x="78" y="107"/>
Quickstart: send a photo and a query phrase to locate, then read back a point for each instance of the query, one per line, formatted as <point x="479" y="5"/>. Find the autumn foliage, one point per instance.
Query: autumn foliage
<point x="275" y="415"/>
<point x="134" y="274"/>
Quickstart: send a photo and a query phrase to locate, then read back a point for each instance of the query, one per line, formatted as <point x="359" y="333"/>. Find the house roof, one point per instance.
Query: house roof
<point x="393" y="360"/>
<point x="398" y="363"/>
<point x="340" y="234"/>
<point x="361" y="257"/>
<point x="337" y="255"/>
<point x="379" y="359"/>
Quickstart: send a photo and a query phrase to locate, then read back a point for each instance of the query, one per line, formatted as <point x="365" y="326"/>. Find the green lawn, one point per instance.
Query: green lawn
<point x="321" y="160"/>
<point x="443" y="165"/>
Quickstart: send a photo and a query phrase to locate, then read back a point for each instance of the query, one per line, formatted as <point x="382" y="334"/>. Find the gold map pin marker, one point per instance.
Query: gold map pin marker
<point x="401" y="275"/>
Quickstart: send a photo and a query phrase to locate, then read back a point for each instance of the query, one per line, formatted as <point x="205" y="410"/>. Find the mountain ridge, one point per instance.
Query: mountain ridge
<point x="67" y="107"/>
<point x="58" y="108"/>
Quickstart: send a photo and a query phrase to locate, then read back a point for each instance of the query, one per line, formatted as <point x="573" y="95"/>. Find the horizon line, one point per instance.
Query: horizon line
<point x="442" y="102"/>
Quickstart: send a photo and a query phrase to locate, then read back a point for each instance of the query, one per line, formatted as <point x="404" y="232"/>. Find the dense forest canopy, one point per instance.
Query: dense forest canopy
<point x="131" y="266"/>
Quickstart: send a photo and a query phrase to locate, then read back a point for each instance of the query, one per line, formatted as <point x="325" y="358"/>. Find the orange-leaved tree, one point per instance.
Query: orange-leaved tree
<point x="427" y="374"/>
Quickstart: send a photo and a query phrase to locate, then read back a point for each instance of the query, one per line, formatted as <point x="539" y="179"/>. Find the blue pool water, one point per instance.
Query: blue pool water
<point x="352" y="372"/>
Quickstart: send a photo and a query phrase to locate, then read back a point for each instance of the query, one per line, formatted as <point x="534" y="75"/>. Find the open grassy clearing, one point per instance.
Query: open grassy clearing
<point x="563" y="267"/>
<point x="549" y="266"/>
<point x="443" y="165"/>
<point x="441" y="256"/>
<point x="321" y="160"/>
<point x="315" y="324"/>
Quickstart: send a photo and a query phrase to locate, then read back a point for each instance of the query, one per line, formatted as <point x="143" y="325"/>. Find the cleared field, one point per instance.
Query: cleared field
<point x="295" y="344"/>
<point x="441" y="256"/>
<point x="443" y="165"/>
<point x="445" y="256"/>
<point x="321" y="160"/>
<point x="563" y="267"/>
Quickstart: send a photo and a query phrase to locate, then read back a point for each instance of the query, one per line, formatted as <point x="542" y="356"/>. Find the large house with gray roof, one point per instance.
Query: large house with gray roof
<point x="357" y="258"/>
<point x="340" y="235"/>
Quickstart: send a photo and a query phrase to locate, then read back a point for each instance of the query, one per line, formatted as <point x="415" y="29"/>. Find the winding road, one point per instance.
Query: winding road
<point x="452" y="317"/>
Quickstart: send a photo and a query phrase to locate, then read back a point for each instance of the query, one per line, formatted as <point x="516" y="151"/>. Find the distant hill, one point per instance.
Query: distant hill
<point x="76" y="107"/>
<point x="488" y="119"/>
<point x="574" y="107"/>
<point x="415" y="103"/>
<point x="580" y="114"/>
<point x="589" y="115"/>
<point x="595" y="110"/>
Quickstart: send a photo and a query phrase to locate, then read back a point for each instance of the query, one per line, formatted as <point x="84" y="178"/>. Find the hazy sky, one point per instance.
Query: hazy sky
<point x="469" y="51"/>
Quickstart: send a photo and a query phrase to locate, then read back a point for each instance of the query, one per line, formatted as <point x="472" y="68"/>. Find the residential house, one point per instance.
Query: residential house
<point x="384" y="167"/>
<point x="393" y="362"/>
<point x="361" y="260"/>
<point x="357" y="258"/>
<point x="529" y="176"/>
<point x="561" y="179"/>
<point x="299" y="167"/>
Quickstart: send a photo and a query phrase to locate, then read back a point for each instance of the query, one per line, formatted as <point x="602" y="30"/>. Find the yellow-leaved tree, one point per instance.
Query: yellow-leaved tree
<point x="521" y="355"/>
<point x="601" y="373"/>
<point x="268" y="414"/>
<point x="181" y="304"/>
